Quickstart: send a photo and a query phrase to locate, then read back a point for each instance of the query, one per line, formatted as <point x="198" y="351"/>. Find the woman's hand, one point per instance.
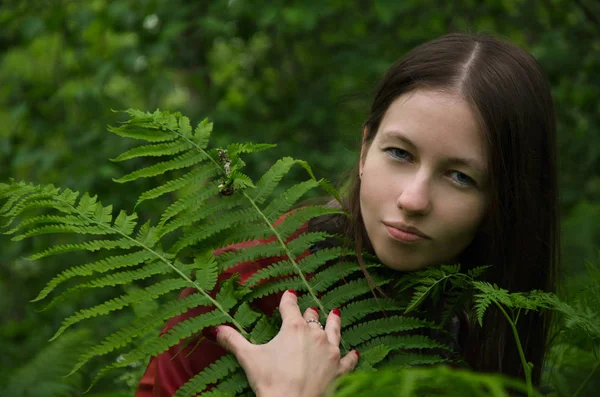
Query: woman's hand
<point x="302" y="359"/>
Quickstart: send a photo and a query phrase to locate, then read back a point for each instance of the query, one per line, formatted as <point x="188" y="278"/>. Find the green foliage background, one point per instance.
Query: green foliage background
<point x="296" y="73"/>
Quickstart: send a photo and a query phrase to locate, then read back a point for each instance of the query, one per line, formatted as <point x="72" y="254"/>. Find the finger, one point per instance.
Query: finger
<point x="311" y="316"/>
<point x="333" y="327"/>
<point x="348" y="363"/>
<point x="232" y="341"/>
<point x="312" y="313"/>
<point x="288" y="306"/>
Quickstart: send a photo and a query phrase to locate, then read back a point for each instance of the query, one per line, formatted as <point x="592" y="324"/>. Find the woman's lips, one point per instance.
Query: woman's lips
<point x="404" y="236"/>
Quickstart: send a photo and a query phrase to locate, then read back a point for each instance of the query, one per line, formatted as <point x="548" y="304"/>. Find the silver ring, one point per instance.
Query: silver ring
<point x="314" y="321"/>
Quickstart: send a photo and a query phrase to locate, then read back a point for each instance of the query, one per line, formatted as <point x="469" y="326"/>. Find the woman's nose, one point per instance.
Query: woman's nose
<point x="416" y="195"/>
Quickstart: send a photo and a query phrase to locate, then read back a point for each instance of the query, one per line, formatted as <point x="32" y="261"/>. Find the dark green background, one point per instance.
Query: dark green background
<point x="296" y="73"/>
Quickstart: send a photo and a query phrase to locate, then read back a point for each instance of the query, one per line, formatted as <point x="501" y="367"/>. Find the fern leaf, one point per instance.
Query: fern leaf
<point x="230" y="259"/>
<point x="196" y="176"/>
<point x="489" y="294"/>
<point x="245" y="316"/>
<point x="231" y="386"/>
<point x="111" y="280"/>
<point x="356" y="310"/>
<point x="151" y="292"/>
<point x="172" y="337"/>
<point x="281" y="204"/>
<point x="210" y="375"/>
<point x="225" y="221"/>
<point x="269" y="181"/>
<point x="207" y="272"/>
<point x="191" y="200"/>
<point x="42" y="219"/>
<point x="403" y="342"/>
<point x="284" y="268"/>
<point x="160" y="149"/>
<point x="306" y="240"/>
<point x="211" y="209"/>
<point x="235" y="149"/>
<point x="51" y="229"/>
<point x="102" y="266"/>
<point x="366" y="330"/>
<point x="372" y="357"/>
<point x="202" y="133"/>
<point x="328" y="277"/>
<point x="124" y="224"/>
<point x="406" y="359"/>
<point x="183" y="161"/>
<point x="340" y="295"/>
<point x="263" y="331"/>
<point x="298" y="217"/>
<point x="125" y="335"/>
<point x="93" y="245"/>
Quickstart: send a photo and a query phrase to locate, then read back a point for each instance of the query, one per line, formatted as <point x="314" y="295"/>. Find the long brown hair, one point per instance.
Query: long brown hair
<point x="519" y="239"/>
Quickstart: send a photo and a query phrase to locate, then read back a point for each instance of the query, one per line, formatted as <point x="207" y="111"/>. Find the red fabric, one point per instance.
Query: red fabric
<point x="170" y="370"/>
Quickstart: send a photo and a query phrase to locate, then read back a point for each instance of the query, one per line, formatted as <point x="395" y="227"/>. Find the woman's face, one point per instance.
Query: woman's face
<point x="424" y="181"/>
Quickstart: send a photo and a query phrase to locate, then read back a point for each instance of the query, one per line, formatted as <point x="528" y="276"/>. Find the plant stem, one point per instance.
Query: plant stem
<point x="526" y="365"/>
<point x="586" y="381"/>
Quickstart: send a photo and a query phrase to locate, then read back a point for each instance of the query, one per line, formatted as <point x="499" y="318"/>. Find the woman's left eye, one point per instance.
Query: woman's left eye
<point x="462" y="179"/>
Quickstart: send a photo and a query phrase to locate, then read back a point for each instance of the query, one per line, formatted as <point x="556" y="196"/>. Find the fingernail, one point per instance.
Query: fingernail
<point x="293" y="292"/>
<point x="315" y="309"/>
<point x="337" y="312"/>
<point x="211" y="333"/>
<point x="357" y="353"/>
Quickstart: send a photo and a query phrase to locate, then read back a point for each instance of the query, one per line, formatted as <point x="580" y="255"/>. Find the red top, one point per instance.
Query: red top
<point x="171" y="369"/>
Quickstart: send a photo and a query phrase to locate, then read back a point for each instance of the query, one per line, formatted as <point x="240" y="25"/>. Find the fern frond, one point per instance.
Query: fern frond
<point x="403" y="342"/>
<point x="210" y="375"/>
<point x="269" y="181"/>
<point x="194" y="177"/>
<point x="372" y="357"/>
<point x="367" y="330"/>
<point x="172" y="337"/>
<point x="282" y="203"/>
<point x="111" y="280"/>
<point x="356" y="310"/>
<point x="93" y="245"/>
<point x="411" y="359"/>
<point x="245" y="316"/>
<point x="284" y="268"/>
<point x="140" y="325"/>
<point x="160" y="149"/>
<point x="200" y="213"/>
<point x="264" y="331"/>
<point x="102" y="266"/>
<point x="488" y="295"/>
<point x="214" y="226"/>
<point x="186" y="160"/>
<point x="149" y="293"/>
<point x="343" y="294"/>
<point x="191" y="200"/>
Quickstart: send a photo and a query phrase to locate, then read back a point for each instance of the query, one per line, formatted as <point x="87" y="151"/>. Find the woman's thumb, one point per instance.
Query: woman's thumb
<point x="231" y="340"/>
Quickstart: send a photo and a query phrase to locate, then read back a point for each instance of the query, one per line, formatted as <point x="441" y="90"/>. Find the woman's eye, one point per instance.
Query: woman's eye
<point x="462" y="179"/>
<point x="399" y="154"/>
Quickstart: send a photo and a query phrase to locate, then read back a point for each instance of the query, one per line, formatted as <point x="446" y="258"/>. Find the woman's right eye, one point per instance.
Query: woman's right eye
<point x="398" y="154"/>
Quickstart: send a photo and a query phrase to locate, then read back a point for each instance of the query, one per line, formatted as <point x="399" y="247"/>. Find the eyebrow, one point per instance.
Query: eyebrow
<point x="471" y="163"/>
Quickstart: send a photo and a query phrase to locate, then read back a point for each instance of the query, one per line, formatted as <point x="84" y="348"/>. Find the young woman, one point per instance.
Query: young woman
<point x="457" y="164"/>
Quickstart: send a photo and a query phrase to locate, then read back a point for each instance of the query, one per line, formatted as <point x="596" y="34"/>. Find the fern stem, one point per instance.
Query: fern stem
<point x="292" y="259"/>
<point x="172" y="266"/>
<point x="527" y="366"/>
<point x="587" y="380"/>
